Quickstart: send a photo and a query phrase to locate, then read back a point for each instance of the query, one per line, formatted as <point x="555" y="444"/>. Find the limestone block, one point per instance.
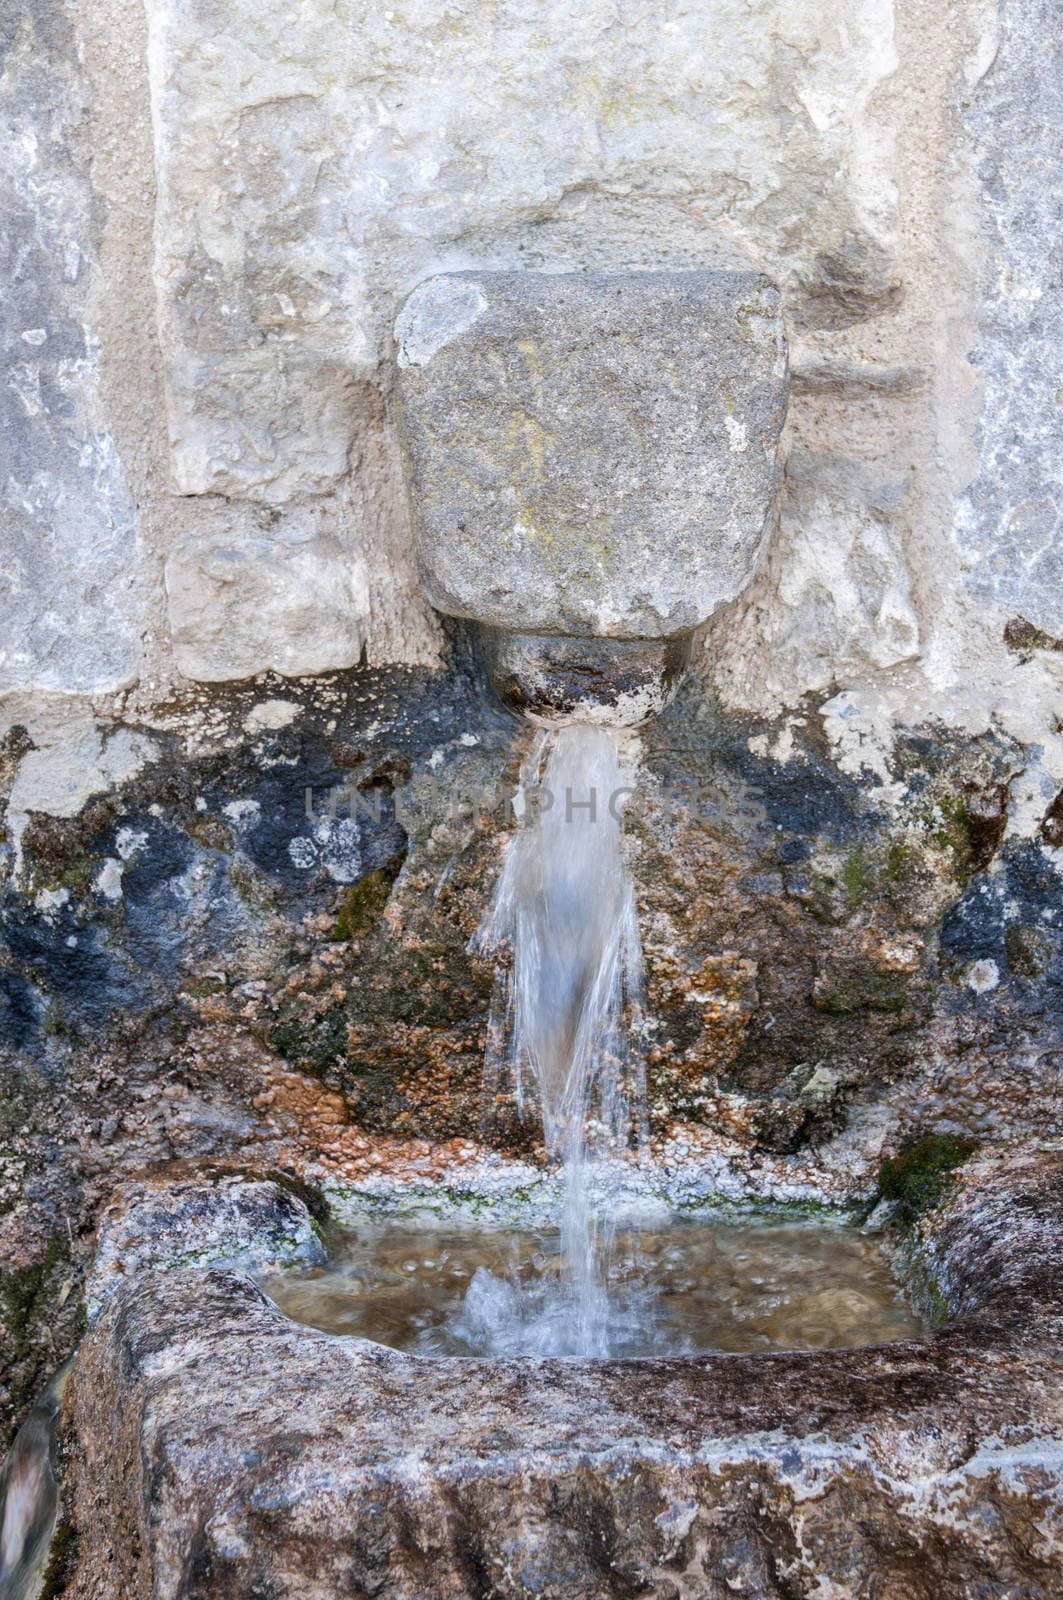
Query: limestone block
<point x="316" y="162"/>
<point x="71" y="595"/>
<point x="835" y="596"/>
<point x="847" y="590"/>
<point x="591" y="453"/>
<point x="1010" y="523"/>
<point x="294" y="606"/>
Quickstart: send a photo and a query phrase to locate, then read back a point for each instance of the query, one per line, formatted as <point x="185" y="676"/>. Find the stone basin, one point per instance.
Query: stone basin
<point x="218" y="1449"/>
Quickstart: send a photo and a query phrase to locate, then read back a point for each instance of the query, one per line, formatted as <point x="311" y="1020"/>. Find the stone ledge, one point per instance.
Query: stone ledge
<point x="225" y="1221"/>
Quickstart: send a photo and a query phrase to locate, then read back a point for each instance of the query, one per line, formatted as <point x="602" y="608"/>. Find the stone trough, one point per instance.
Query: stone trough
<point x="218" y="1449"/>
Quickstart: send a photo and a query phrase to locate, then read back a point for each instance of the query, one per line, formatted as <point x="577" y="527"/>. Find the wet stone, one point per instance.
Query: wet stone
<point x="919" y="1466"/>
<point x="225" y="1221"/>
<point x="278" y="990"/>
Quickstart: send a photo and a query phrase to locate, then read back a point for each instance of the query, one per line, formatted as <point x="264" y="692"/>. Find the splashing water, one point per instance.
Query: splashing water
<point x="566" y="1021"/>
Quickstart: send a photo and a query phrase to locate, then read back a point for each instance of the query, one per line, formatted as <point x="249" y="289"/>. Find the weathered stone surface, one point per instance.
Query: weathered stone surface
<point x="836" y="595"/>
<point x="311" y="171"/>
<point x="228" y="1221"/>
<point x="931" y="1466"/>
<point x="72" y="589"/>
<point x="201" y="964"/>
<point x="70" y="759"/>
<point x="591" y="454"/>
<point x="241" y="607"/>
<point x="1010" y="525"/>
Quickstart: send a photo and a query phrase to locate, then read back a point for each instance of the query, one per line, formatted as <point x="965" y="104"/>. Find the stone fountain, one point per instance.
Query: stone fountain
<point x="592" y="463"/>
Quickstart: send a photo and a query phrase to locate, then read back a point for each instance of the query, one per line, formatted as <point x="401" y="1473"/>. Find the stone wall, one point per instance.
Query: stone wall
<point x="215" y="211"/>
<point x="75" y="571"/>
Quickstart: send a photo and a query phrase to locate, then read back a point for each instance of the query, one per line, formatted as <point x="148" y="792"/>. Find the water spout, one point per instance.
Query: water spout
<point x="577" y="495"/>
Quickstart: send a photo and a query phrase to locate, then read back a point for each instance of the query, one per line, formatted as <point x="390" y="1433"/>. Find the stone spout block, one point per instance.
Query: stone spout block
<point x="591" y="454"/>
<point x="616" y="682"/>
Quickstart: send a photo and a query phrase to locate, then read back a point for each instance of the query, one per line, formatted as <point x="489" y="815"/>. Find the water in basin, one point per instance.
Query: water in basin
<point x="688" y="1288"/>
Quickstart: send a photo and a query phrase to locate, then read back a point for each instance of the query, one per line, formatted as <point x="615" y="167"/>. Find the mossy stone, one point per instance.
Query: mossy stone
<point x="916" y="1179"/>
<point x="363" y="904"/>
<point x="26" y="1293"/>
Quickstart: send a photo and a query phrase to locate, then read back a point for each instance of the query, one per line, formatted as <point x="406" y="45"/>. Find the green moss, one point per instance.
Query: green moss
<point x="857" y="986"/>
<point x="56" y="1025"/>
<point x="363" y="904"/>
<point x="870" y="868"/>
<point x="754" y="1209"/>
<point x="898" y="859"/>
<point x="933" y="1301"/>
<point x="917" y="1178"/>
<point x="75" y="877"/>
<point x="970" y="832"/>
<point x="249" y="886"/>
<point x="925" y="1288"/>
<point x="62" y="1559"/>
<point x="26" y="1295"/>
<point x="859" y="876"/>
<point x="202" y="988"/>
<point x="314" y="1045"/>
<point x="949" y="825"/>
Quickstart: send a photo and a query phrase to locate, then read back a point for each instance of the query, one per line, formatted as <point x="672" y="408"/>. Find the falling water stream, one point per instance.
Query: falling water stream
<point x="29" y="1496"/>
<point x="565" y="1025"/>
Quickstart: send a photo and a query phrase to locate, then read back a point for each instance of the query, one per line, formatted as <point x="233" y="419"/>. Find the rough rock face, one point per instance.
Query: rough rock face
<point x="591" y="453"/>
<point x="219" y="1450"/>
<point x="1010" y="525"/>
<point x="72" y="591"/>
